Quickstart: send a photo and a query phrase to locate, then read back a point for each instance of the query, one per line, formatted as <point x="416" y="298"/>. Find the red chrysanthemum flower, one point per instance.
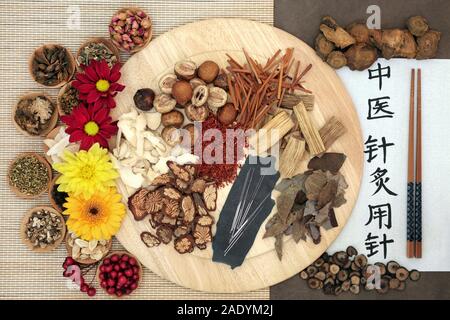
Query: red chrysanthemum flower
<point x="98" y="85"/>
<point x="90" y="125"/>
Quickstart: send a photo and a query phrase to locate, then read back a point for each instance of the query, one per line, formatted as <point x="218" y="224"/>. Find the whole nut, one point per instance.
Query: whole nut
<point x="182" y="92"/>
<point x="200" y="95"/>
<point x="195" y="82"/>
<point x="217" y="97"/>
<point x="227" y="114"/>
<point x="173" y="118"/>
<point x="171" y="136"/>
<point x="185" y="69"/>
<point x="164" y="103"/>
<point x="166" y="82"/>
<point x="197" y="113"/>
<point x="221" y="81"/>
<point x="143" y="99"/>
<point x="208" y="71"/>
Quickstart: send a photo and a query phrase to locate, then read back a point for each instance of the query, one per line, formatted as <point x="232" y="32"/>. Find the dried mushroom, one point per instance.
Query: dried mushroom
<point x="417" y="25"/>
<point x="150" y="240"/>
<point x="336" y="34"/>
<point x="361" y="56"/>
<point x="427" y="45"/>
<point x="323" y="46"/>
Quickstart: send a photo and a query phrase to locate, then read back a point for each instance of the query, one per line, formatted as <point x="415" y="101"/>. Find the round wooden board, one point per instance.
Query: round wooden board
<point x="211" y="39"/>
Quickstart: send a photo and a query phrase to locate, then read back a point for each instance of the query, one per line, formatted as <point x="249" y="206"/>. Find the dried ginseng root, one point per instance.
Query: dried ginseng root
<point x="348" y="271"/>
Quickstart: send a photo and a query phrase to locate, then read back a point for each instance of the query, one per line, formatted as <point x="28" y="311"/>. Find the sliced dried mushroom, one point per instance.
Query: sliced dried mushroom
<point x="179" y="172"/>
<point x="188" y="208"/>
<point x="171" y="208"/>
<point x="184" y="244"/>
<point x="205" y="221"/>
<point x="164" y="233"/>
<point x="149" y="239"/>
<point x="137" y="204"/>
<point x="171" y="193"/>
<point x="202" y="236"/>
<point x="210" y="196"/>
<point x="200" y="205"/>
<point x="198" y="185"/>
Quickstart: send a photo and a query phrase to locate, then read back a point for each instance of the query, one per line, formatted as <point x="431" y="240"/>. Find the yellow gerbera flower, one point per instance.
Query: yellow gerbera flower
<point x="85" y="172"/>
<point x="95" y="218"/>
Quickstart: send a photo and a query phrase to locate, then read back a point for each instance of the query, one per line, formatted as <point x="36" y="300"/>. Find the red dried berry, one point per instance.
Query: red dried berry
<point x="91" y="292"/>
<point x="84" y="287"/>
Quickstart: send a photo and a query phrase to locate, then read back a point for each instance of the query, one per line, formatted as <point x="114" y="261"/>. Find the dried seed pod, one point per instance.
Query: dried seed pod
<point x="173" y="118"/>
<point x="361" y="261"/>
<point x="414" y="275"/>
<point x="304" y="275"/>
<point x="337" y="59"/>
<point x="164" y="103"/>
<point x="355" y="280"/>
<point x="311" y="270"/>
<point x="210" y="196"/>
<point x="320" y="276"/>
<point x="402" y="274"/>
<point x="171" y="193"/>
<point x="179" y="171"/>
<point x="394" y="283"/>
<point x="184" y="244"/>
<point x="346" y="285"/>
<point x="185" y="69"/>
<point x="392" y="267"/>
<point x="170" y="208"/>
<point x="164" y="233"/>
<point x="217" y="97"/>
<point x="143" y="99"/>
<point x="166" y="82"/>
<point x="194" y="113"/>
<point x="319" y="262"/>
<point x="384" y="285"/>
<point x="323" y="46"/>
<point x="200" y="95"/>
<point x="182" y="92"/>
<point x="417" y="25"/>
<point x="150" y="240"/>
<point x="351" y="251"/>
<point x="334" y="268"/>
<point x="313" y="283"/>
<point x="205" y="221"/>
<point x="195" y="82"/>
<point x="354" y="288"/>
<point x="208" y="71"/>
<point x="188" y="208"/>
<point x="200" y="205"/>
<point x="171" y="135"/>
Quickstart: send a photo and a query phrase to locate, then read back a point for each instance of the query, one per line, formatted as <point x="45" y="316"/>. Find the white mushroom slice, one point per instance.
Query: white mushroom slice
<point x="151" y="175"/>
<point x="153" y="120"/>
<point x="161" y="166"/>
<point x="139" y="143"/>
<point x="49" y="142"/>
<point x="178" y="150"/>
<point x="148" y="146"/>
<point x="129" y="115"/>
<point x="141" y="122"/>
<point x="129" y="162"/>
<point x="186" y="158"/>
<point x="59" y="146"/>
<point x="128" y="131"/>
<point x="131" y="179"/>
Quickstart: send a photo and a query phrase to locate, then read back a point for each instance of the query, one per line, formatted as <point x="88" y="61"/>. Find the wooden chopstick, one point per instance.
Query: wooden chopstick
<point x="410" y="214"/>
<point x="418" y="190"/>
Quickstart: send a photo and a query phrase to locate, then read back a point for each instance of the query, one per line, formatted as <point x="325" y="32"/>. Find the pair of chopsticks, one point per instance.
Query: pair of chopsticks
<point x="414" y="202"/>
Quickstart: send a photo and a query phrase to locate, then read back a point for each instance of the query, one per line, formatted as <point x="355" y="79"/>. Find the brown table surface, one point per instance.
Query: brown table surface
<point x="302" y="19"/>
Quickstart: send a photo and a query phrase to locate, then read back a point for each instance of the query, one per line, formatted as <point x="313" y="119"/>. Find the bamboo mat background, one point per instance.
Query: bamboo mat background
<point x="25" y="25"/>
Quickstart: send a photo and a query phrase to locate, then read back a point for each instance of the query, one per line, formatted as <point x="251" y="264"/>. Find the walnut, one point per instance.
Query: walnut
<point x="171" y="193"/>
<point x="164" y="233"/>
<point x="149" y="239"/>
<point x="137" y="204"/>
<point x="210" y="197"/>
<point x="171" y="208"/>
<point x="205" y="221"/>
<point x="187" y="205"/>
<point x="184" y="244"/>
<point x="202" y="236"/>
<point x="179" y="171"/>
<point x="198" y="185"/>
<point x="200" y="205"/>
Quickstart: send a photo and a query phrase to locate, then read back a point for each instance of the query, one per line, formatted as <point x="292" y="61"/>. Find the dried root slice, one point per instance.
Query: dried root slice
<point x="337" y="59"/>
<point x="200" y="205"/>
<point x="179" y="172"/>
<point x="162" y="180"/>
<point x="202" y="236"/>
<point x="414" y="275"/>
<point x="291" y="157"/>
<point x="323" y="46"/>
<point x="171" y="208"/>
<point x="169" y="221"/>
<point x="428" y="45"/>
<point x="188" y="209"/>
<point x="308" y="130"/>
<point x="361" y="56"/>
<point x="205" y="221"/>
<point x="137" y="204"/>
<point x="417" y="25"/>
<point x="171" y="193"/>
<point x="336" y="34"/>
<point x="392" y="267"/>
<point x="331" y="131"/>
<point x="181" y="231"/>
<point x="150" y="240"/>
<point x="164" y="233"/>
<point x="359" y="32"/>
<point x="182" y="185"/>
<point x="198" y="185"/>
<point x="155" y="219"/>
<point x="184" y="244"/>
<point x="402" y="274"/>
<point x="210" y="196"/>
<point x="290" y="100"/>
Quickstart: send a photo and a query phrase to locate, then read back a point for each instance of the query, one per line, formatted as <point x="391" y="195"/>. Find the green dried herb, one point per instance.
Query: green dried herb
<point x="96" y="51"/>
<point x="29" y="175"/>
<point x="69" y="100"/>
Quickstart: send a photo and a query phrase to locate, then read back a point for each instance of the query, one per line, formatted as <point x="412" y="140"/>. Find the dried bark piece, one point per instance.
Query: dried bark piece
<point x="184" y="244"/>
<point x="309" y="131"/>
<point x="150" y="240"/>
<point x="171" y="208"/>
<point x="291" y="156"/>
<point x="314" y="184"/>
<point x="188" y="208"/>
<point x="198" y="185"/>
<point x="298" y="231"/>
<point x="200" y="205"/>
<point x="210" y="197"/>
<point x="179" y="172"/>
<point x="164" y="233"/>
<point x="329" y="161"/>
<point x="202" y="236"/>
<point x="331" y="131"/>
<point x="314" y="232"/>
<point x="290" y="100"/>
<point x="162" y="180"/>
<point x="205" y="221"/>
<point x="171" y="193"/>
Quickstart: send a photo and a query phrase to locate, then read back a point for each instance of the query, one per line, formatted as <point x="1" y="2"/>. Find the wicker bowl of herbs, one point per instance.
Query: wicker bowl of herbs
<point x="97" y="49"/>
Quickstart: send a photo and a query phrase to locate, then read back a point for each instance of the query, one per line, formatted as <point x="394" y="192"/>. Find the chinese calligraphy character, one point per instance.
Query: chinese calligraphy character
<point x="380" y="181"/>
<point x="378" y="73"/>
<point x="372" y="147"/>
<point x="372" y="244"/>
<point x="378" y="108"/>
<point x="379" y="212"/>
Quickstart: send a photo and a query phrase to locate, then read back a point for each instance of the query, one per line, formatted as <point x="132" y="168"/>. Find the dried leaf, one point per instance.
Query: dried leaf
<point x="327" y="194"/>
<point x="314" y="183"/>
<point x="285" y="202"/>
<point x="323" y="214"/>
<point x="279" y="246"/>
<point x="310" y="208"/>
<point x="298" y="231"/>
<point x="313" y="231"/>
<point x="298" y="180"/>
<point x="277" y="228"/>
<point x="327" y="162"/>
<point x="332" y="222"/>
